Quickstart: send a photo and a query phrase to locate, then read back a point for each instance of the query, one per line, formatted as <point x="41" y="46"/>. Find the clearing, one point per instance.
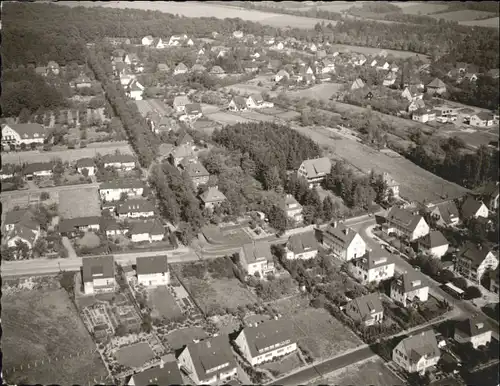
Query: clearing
<point x="494" y="22"/>
<point x="416" y="8"/>
<point x="226" y="118"/>
<point x="42" y="325"/>
<point x="81" y="202"/>
<point x="464" y="15"/>
<point x="135" y="355"/>
<point x="370" y="372"/>
<point x="375" y="51"/>
<point x="163" y="304"/>
<point x="318" y="332"/>
<point x="180" y="337"/>
<point x="322" y="91"/>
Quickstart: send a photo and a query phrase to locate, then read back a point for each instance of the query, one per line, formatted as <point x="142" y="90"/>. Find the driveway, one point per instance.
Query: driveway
<point x="69" y="247"/>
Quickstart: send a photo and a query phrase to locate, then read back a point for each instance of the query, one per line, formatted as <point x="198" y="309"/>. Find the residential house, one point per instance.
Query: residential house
<point x="473" y="208"/>
<point x="201" y="52"/>
<point x="403" y="222"/>
<point x="134" y="90"/>
<point x="327" y="66"/>
<point x="147" y="40"/>
<point x="131" y="58"/>
<point x="303" y="246"/>
<point x="444" y="110"/>
<point x="423" y="115"/>
<point x="208" y="361"/>
<point x="157" y="43"/>
<point x="314" y="170"/>
<point x="494" y="73"/>
<point x="164" y="374"/>
<point x="238" y="34"/>
<point x="152" y="271"/>
<point x="282" y="74"/>
<point x="179" y="153"/>
<point x="180" y="69"/>
<point x="7" y="171"/>
<point x="238" y="103"/>
<point x="70" y="227"/>
<point x="41" y="70"/>
<point x="292" y="208"/>
<point x="358" y="60"/>
<point x="392" y="185"/>
<point x="312" y="47"/>
<point x="437" y="86"/>
<point x="113" y="228"/>
<point x="417" y="353"/>
<point x="408" y="290"/>
<point x="119" y="161"/>
<point x="192" y="112"/>
<point x="135" y="208"/>
<point x="489" y="194"/>
<point x="473" y="261"/>
<point x="394" y="68"/>
<point x="189" y="43"/>
<point x="373" y="63"/>
<point x="266" y="341"/>
<point x="217" y="70"/>
<point x="212" y="197"/>
<point x="366" y="309"/>
<point x="147" y="230"/>
<point x="251" y="68"/>
<point x="38" y="169"/>
<point x="113" y="190"/>
<point x="373" y="267"/>
<point x="126" y="77"/>
<point x="434" y="243"/>
<point x="176" y="40"/>
<point x="474" y="330"/>
<point x="27" y="133"/>
<point x="82" y="81"/>
<point x="256" y="258"/>
<point x="482" y="119"/>
<point x="277" y="47"/>
<point x="389" y="80"/>
<point x="256" y="101"/>
<point x="159" y="124"/>
<point x="20" y="226"/>
<point x="385" y="66"/>
<point x="53" y="68"/>
<point x="357" y="84"/>
<point x="116" y="41"/>
<point x="198" y="68"/>
<point x="383" y="54"/>
<point x="98" y="274"/>
<point x="180" y="103"/>
<point x="412" y="93"/>
<point x="471" y="77"/>
<point x="87" y="164"/>
<point x="344" y="242"/>
<point x="445" y="213"/>
<point x="195" y="170"/>
<point x="418" y="105"/>
<point x="184" y="139"/>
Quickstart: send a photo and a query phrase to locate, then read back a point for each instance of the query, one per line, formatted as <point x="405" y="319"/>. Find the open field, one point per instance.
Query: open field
<point x="464" y="15"/>
<point x="339" y="6"/>
<point x="215" y="296"/>
<point x="148" y="105"/>
<point x="79" y="203"/>
<point x="135" y="355"/>
<point x="416" y="184"/>
<point x="375" y="51"/>
<point x="285" y="365"/>
<point x="181" y="337"/>
<point x="370" y="372"/>
<point x="163" y="304"/>
<point x="317" y="331"/>
<point x="198" y="9"/>
<point x="226" y="118"/>
<point x="473" y="137"/>
<point x="494" y="22"/>
<point x="66" y="155"/>
<point x="414" y="8"/>
<point x="322" y="91"/>
<point x="42" y="325"/>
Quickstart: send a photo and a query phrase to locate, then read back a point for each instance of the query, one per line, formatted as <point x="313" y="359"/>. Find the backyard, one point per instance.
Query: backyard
<point x="284" y="365"/>
<point x="179" y="338"/>
<point x="318" y="332"/>
<point x="135" y="355"/>
<point x="163" y="304"/>
<point x="81" y="202"/>
<point x="43" y="325"/>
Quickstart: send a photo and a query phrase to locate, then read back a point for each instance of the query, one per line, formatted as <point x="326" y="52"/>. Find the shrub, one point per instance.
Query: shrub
<point x="460" y="282"/>
<point x="44" y="196"/>
<point x="472" y="293"/>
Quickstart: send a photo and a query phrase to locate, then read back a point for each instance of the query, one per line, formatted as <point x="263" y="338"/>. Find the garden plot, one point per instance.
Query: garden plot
<point x="180" y="337"/>
<point x="226" y="118"/>
<point x="81" y="202"/>
<point x="285" y="365"/>
<point x="97" y="317"/>
<point x="135" y="355"/>
<point x="163" y="304"/>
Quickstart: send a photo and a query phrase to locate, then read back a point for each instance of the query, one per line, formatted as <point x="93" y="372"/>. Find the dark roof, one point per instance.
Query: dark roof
<point x="403" y="218"/>
<point x="209" y="354"/>
<point x="181" y="100"/>
<point x="184" y="138"/>
<point x="259" y="250"/>
<point x="475" y="253"/>
<point x="69" y="225"/>
<point x="213" y="194"/>
<point x="485" y="116"/>
<point x="122" y="184"/>
<point x="151" y="264"/>
<point x="104" y="265"/>
<point x="37" y="167"/>
<point x="317" y="167"/>
<point x="302" y="242"/>
<point x="470" y="207"/>
<point x="489" y="190"/>
<point x="28" y="130"/>
<point x="193" y="108"/>
<point x="367" y="305"/>
<point x="135" y="206"/>
<point x="22" y="216"/>
<point x="373" y="259"/>
<point x="118" y="158"/>
<point x="274" y="332"/>
<point x="434" y="239"/>
<point x="419" y="345"/>
<point x="473" y="326"/>
<point x="196" y="169"/>
<point x="182" y="151"/>
<point x="152" y="227"/>
<point x="409" y="282"/>
<point x="240" y="102"/>
<point x="340" y="233"/>
<point x="168" y="375"/>
<point x="436" y="83"/>
<point x="447" y="210"/>
<point x="85" y="163"/>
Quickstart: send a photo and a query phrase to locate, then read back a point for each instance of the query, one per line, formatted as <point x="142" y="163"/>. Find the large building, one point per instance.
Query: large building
<point x="98" y="274"/>
<point x="473" y="261"/>
<point x="266" y="341"/>
<point x="417" y="353"/>
<point x="315" y="170"/>
<point x="344" y="242"/>
<point x="473" y="330"/>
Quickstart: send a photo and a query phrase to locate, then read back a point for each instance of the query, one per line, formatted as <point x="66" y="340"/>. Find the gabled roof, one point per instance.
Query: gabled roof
<point x="489" y="190"/>
<point x="434" y="239"/>
<point x="409" y="282"/>
<point x="240" y="102"/>
<point x="475" y="253"/>
<point x="448" y="210"/>
<point x="473" y="326"/>
<point x="118" y="158"/>
<point x="85" y="163"/>
<point x="368" y="305"/>
<point x="340" y="233"/>
<point x="196" y="169"/>
<point x="213" y="194"/>
<point x="23" y="232"/>
<point x="485" y="116"/>
<point x="470" y="207"/>
<point x="193" y="109"/>
<point x="182" y="151"/>
<point x="151" y="264"/>
<point x="302" y="242"/>
<point x="216" y="70"/>
<point x="403" y="218"/>
<point x="283" y="73"/>
<point x="184" y="138"/>
<point x="270" y="333"/>
<point x="423" y="344"/>
<point x="257" y="98"/>
<point x="37" y="167"/>
<point x="209" y="354"/>
<point x="169" y="374"/>
<point x="151" y="227"/>
<point x="28" y="130"/>
<point x="436" y="83"/>
<point x="257" y="251"/>
<point x="122" y="184"/>
<point x="358" y="83"/>
<point x="102" y="267"/>
<point x="135" y="206"/>
<point x="317" y="167"/>
<point x="70" y="225"/>
<point x="290" y="201"/>
<point x="372" y="259"/>
<point x="181" y="67"/>
<point x="181" y="100"/>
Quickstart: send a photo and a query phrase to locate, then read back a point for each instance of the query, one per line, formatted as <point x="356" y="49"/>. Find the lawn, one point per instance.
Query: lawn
<point x="226" y="118"/>
<point x="81" y="202"/>
<point x="339" y="6"/>
<point x="317" y="331"/>
<point x="179" y="338"/>
<point x="464" y="15"/>
<point x="375" y="51"/>
<point x="414" y="8"/>
<point x="320" y="91"/>
<point x="163" y="304"/>
<point x="370" y="372"/>
<point x="284" y="365"/>
<point x="43" y="324"/>
<point x="214" y="296"/>
<point x="494" y="22"/>
<point x="135" y="355"/>
<point x="89" y="240"/>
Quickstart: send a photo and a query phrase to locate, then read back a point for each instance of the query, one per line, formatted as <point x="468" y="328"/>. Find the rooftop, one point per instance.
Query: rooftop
<point x="270" y="333"/>
<point x="101" y="267"/>
<point x="302" y="242"/>
<point x="256" y="252"/>
<point x="151" y="264"/>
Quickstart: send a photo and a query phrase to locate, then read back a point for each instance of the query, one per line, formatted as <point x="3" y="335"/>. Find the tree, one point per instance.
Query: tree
<point x="460" y="282"/>
<point x="328" y="209"/>
<point x="44" y="196"/>
<point x="472" y="292"/>
<point x="272" y="178"/>
<point x="40" y="247"/>
<point x="277" y="219"/>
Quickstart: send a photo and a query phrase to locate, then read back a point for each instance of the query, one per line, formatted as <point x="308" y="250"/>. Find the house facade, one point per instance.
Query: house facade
<point x="366" y="309"/>
<point x="482" y="120"/>
<point x="473" y="261"/>
<point x="293" y="209"/>
<point x="434" y="244"/>
<point x="474" y="208"/>
<point x="408" y="289"/>
<point x="315" y="170"/>
<point x="152" y="271"/>
<point x="473" y="330"/>
<point x="403" y="222"/>
<point x="27" y="133"/>
<point x="87" y="164"/>
<point x="135" y="208"/>
<point x="345" y="243"/>
<point x="256" y="258"/>
<point x="417" y="353"/>
<point x="445" y="213"/>
<point x="302" y="246"/>
<point x="98" y="274"/>
<point x="212" y="197"/>
<point x="147" y="231"/>
<point x="70" y="227"/>
<point x="373" y="267"/>
<point x="124" y="162"/>
<point x="112" y="191"/>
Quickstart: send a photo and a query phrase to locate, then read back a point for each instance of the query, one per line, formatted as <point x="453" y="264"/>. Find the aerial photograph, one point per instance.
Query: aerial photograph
<point x="250" y="193"/>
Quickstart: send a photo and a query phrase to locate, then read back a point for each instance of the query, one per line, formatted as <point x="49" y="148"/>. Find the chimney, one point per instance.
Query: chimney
<point x="335" y="223"/>
<point x="162" y="363"/>
<point x="479" y="326"/>
<point x="346" y="231"/>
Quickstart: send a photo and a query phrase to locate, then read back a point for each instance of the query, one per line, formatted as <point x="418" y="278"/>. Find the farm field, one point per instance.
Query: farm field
<point x="163" y="304"/>
<point x="178" y="338"/>
<point x="464" y="15"/>
<point x="339" y="6"/>
<point x="317" y="331"/>
<point x="43" y="324"/>
<point x="322" y="91"/>
<point x="226" y="118"/>
<point x="416" y="184"/>
<point x="494" y="22"/>
<point x="198" y="9"/>
<point x="375" y="51"/>
<point x="66" y="155"/>
<point x="81" y="202"/>
<point x="415" y="8"/>
<point x="135" y="355"/>
<point x="370" y="372"/>
<point x="473" y="137"/>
